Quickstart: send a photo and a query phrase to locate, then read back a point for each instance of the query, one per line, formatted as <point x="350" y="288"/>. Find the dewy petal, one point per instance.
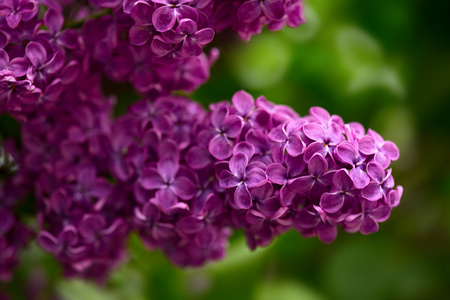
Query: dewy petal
<point x="243" y="102"/>
<point x="242" y="197"/>
<point x="183" y="188"/>
<point x="228" y="180"/>
<point x="220" y="147"/>
<point x="255" y="177"/>
<point x="249" y="11"/>
<point x="36" y="54"/>
<point x="164" y="18"/>
<point x="332" y="202"/>
<point x="151" y="180"/>
<point x="317" y="165"/>
<point x="372" y="191"/>
<point x="238" y="163"/>
<point x="277" y="173"/>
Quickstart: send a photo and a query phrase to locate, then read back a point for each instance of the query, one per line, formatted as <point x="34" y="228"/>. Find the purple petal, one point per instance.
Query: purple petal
<point x="172" y="37"/>
<point x="243" y="102"/>
<point x="367" y="145"/>
<point x="249" y="11"/>
<point x="190" y="225"/>
<point x="232" y="125"/>
<point x="244" y="147"/>
<point x="274" y="10"/>
<point x="295" y="165"/>
<point x="166" y="198"/>
<point x="151" y="179"/>
<point x="286" y="195"/>
<point x="320" y="114"/>
<point x="376" y="171"/>
<point x="313" y="148"/>
<point x="255" y="177"/>
<point x="301" y="185"/>
<point x="190" y="48"/>
<point x="198" y="158"/>
<point x="13" y="20"/>
<point x="277" y="134"/>
<point x="372" y="191"/>
<point x="183" y="188"/>
<point x="242" y="197"/>
<point x="277" y="173"/>
<point x="228" y="180"/>
<point x="306" y="219"/>
<point x="36" y="54"/>
<point x="48" y="241"/>
<point x="380" y="214"/>
<point x="160" y="47"/>
<point x="346" y="153"/>
<point x="164" y="18"/>
<point x="142" y="12"/>
<point x="220" y="147"/>
<point x="359" y="177"/>
<point x="254" y="217"/>
<point x="139" y="35"/>
<point x="6" y="221"/>
<point x="238" y="164"/>
<point x="19" y="66"/>
<point x="91" y="225"/>
<point x="368" y="225"/>
<point x="391" y="150"/>
<point x="186" y="12"/>
<point x="315" y="132"/>
<point x="205" y="237"/>
<point x="187" y="27"/>
<point x="295" y="145"/>
<point x="331" y="202"/>
<point x="327" y="232"/>
<point x="342" y="180"/>
<point x="317" y="165"/>
<point x="168" y="168"/>
<point x="100" y="188"/>
<point x="53" y="20"/>
<point x="203" y="36"/>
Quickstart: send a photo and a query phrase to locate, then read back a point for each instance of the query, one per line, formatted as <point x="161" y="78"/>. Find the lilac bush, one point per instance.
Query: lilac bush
<point x="179" y="175"/>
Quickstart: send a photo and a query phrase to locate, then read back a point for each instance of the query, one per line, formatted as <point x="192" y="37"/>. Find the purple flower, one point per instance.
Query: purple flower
<point x="287" y="139"/>
<point x="342" y="191"/>
<point x="384" y="151"/>
<point x="242" y="176"/>
<point x="251" y="10"/>
<point x="191" y="39"/>
<point x="143" y="30"/>
<point x="267" y="205"/>
<point x="169" y="187"/>
<point x="311" y="221"/>
<point x="381" y="182"/>
<point x="17" y="67"/>
<point x="17" y="10"/>
<point x="367" y="221"/>
<point x="323" y="139"/>
<point x="347" y="153"/>
<point x="164" y="17"/>
<point x="226" y="127"/>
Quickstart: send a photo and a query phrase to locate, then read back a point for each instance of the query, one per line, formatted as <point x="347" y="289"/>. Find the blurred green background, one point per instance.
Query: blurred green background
<point x="383" y="63"/>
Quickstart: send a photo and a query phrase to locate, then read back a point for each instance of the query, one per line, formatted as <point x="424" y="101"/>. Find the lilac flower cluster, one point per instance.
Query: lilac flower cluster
<point x="280" y="170"/>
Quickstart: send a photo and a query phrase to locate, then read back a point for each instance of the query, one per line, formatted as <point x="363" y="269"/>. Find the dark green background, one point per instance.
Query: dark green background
<point x="383" y="63"/>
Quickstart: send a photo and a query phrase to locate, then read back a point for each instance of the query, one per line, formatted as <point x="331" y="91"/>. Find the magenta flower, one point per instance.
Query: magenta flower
<point x="168" y="186"/>
<point x="381" y="182"/>
<point x="384" y="151"/>
<point x="251" y="10"/>
<point x="192" y="39"/>
<point x="242" y="176"/>
<point x="18" y="10"/>
<point x="164" y="17"/>
<point x="343" y="191"/>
